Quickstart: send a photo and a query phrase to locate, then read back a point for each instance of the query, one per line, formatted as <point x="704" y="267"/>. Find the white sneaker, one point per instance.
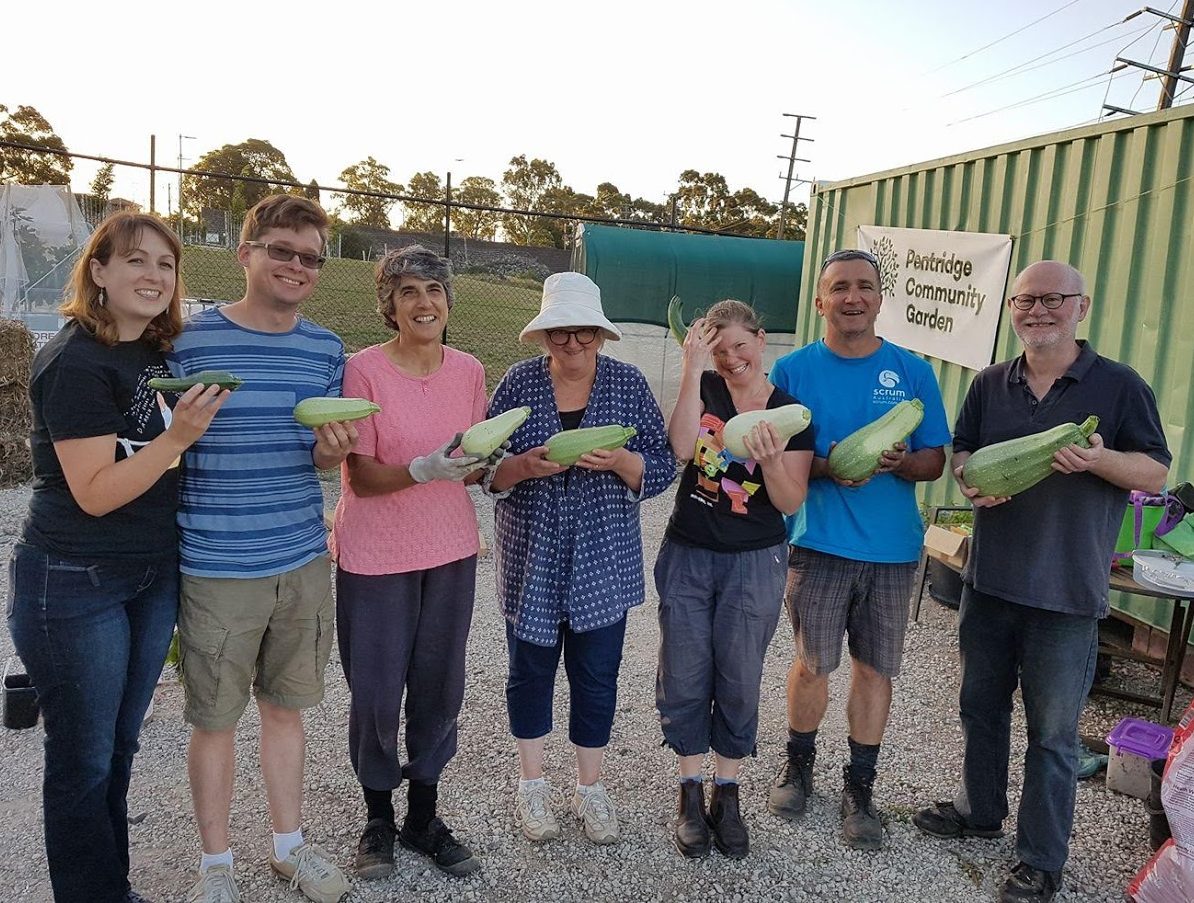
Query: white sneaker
<point x="596" y="811"/>
<point x="216" y="885"/>
<point x="532" y="813"/>
<point x="312" y="871"/>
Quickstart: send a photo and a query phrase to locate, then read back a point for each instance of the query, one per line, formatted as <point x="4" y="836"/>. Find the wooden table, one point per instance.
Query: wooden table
<point x="1181" y="622"/>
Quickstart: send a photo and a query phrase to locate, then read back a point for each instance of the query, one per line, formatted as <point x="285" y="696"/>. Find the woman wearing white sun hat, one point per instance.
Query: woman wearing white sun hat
<point x="568" y="545"/>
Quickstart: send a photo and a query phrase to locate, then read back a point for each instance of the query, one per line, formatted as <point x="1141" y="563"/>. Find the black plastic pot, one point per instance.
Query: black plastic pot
<point x="945" y="584"/>
<point x="1158" y="821"/>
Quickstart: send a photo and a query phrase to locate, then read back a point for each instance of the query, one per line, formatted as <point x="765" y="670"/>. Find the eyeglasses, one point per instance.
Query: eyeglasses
<point x="583" y="336"/>
<point x="849" y="254"/>
<point x="285" y="255"/>
<point x="1051" y="301"/>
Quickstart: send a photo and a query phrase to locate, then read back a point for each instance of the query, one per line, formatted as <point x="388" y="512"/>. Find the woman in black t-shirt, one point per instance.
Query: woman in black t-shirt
<point x="721" y="569"/>
<point x="93" y="580"/>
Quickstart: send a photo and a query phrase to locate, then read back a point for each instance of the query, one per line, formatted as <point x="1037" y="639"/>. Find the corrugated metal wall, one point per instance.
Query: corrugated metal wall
<point x="1116" y="200"/>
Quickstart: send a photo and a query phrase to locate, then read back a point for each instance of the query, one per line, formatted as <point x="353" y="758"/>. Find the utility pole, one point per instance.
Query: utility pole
<point x="1172" y="74"/>
<point x="153" y="173"/>
<point x="1181" y="37"/>
<point x="180" y="220"/>
<point x="792" y="158"/>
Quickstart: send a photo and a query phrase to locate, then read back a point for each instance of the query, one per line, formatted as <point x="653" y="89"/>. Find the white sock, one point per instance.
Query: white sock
<point x="582" y="789"/>
<point x="210" y="859"/>
<point x="284" y="843"/>
<point x="525" y="786"/>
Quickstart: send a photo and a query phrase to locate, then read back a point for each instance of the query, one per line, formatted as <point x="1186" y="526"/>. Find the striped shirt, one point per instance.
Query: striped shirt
<point x="250" y="504"/>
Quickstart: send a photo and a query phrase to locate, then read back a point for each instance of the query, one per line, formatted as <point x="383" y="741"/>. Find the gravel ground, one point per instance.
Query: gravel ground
<point x="919" y="763"/>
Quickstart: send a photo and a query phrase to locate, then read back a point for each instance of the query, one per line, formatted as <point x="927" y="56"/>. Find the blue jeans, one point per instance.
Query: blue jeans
<point x="1052" y="655"/>
<point x="93" y="636"/>
<point x="591" y="658"/>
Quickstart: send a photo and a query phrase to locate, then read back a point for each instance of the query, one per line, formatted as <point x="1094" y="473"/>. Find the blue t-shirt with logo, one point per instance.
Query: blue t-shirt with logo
<point x="878" y="521"/>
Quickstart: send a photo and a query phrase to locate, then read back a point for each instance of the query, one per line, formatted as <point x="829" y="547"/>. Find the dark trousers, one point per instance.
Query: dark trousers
<point x="404" y="633"/>
<point x="591" y="660"/>
<point x="717" y="614"/>
<point x="1052" y="656"/>
<point x="93" y="637"/>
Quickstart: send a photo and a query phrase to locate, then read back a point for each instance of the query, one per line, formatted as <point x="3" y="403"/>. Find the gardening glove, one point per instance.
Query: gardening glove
<point x="439" y="465"/>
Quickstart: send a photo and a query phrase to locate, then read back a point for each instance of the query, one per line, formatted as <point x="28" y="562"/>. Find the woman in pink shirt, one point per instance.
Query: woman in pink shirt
<point x="405" y="542"/>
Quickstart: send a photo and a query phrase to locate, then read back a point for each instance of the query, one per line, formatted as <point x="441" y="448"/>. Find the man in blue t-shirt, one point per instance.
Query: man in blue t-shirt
<point x="850" y="573"/>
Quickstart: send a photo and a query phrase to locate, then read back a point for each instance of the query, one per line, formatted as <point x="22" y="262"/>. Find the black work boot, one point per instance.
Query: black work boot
<point x="436" y="841"/>
<point x="1029" y="885"/>
<point x="375" y="851"/>
<point x="861" y="827"/>
<point x="729" y="831"/>
<point x="692" y="826"/>
<point x="793" y="785"/>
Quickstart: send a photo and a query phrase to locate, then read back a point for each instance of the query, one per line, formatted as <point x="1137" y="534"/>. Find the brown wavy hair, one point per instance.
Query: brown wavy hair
<point x="120" y="234"/>
<point x="284" y="211"/>
<point x="729" y="311"/>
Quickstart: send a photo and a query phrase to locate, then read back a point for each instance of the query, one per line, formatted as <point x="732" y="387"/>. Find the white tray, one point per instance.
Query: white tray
<point x="1164" y="571"/>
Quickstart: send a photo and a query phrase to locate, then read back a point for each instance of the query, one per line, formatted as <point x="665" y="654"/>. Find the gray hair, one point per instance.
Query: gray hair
<point x="413" y="260"/>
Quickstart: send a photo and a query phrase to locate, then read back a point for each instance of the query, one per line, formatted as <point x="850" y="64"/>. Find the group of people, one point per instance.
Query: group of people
<point x="205" y="510"/>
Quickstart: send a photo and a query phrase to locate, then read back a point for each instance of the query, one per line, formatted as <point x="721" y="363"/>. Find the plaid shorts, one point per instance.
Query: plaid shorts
<point x="828" y="597"/>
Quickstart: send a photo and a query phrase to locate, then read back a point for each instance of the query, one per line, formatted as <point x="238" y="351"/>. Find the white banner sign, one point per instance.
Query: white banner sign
<point x="942" y="291"/>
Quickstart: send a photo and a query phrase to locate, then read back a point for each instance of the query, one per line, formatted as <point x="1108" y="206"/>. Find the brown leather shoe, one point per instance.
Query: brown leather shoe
<point x="729" y="831"/>
<point x="692" y="827"/>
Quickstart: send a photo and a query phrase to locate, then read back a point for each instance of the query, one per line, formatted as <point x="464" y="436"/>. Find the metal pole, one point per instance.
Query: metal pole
<point x="448" y="216"/>
<point x="1176" y="55"/>
<point x="447" y="234"/>
<point x="153" y="173"/>
<point x="783" y="208"/>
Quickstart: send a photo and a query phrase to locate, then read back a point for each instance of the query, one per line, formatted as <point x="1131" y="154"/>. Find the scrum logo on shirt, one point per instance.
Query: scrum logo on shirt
<point x="888" y="392"/>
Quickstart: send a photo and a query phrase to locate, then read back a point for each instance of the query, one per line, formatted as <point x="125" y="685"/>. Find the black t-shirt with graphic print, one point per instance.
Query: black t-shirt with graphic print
<point x="722" y="501"/>
<point x="81" y="388"/>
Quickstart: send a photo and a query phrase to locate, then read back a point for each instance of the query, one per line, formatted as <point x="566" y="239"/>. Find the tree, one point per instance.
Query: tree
<point x="526" y="183"/>
<point x="364" y="210"/>
<point x="701" y="200"/>
<point x="27" y="126"/>
<point x="424" y="217"/>
<point x="478" y="224"/>
<point x="101" y="185"/>
<point x="255" y="158"/>
<point x="311" y="192"/>
<point x="751" y="214"/>
<point x="795" y="223"/>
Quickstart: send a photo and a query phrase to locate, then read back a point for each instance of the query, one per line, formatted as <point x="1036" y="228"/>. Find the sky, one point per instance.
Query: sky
<point x="627" y="92"/>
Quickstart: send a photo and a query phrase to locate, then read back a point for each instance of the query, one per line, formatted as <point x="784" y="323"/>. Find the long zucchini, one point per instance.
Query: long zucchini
<point x="221" y="378"/>
<point x="318" y="411"/>
<point x="1009" y="467"/>
<point x="568" y="446"/>
<point x="857" y="456"/>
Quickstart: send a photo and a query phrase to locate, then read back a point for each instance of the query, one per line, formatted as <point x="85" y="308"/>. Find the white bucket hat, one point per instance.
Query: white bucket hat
<point x="569" y="300"/>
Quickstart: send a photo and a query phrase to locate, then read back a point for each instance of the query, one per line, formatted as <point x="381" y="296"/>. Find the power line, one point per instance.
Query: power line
<point x="1073" y="87"/>
<point x="1111" y="73"/>
<point x="1027" y="67"/>
<point x="1004" y="38"/>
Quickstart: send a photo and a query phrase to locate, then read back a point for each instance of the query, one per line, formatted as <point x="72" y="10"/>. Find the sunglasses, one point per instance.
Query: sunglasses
<point x="849" y="254"/>
<point x="284" y="254"/>
<point x="583" y="336"/>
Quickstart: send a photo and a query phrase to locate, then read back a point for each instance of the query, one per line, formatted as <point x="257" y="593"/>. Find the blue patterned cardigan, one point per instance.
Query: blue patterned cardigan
<point x="569" y="547"/>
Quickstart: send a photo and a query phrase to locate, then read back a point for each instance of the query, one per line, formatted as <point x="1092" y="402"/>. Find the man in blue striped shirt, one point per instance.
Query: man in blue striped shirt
<point x="256" y="607"/>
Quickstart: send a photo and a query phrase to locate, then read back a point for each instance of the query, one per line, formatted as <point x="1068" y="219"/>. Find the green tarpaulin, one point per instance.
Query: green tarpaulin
<point x="639" y="271"/>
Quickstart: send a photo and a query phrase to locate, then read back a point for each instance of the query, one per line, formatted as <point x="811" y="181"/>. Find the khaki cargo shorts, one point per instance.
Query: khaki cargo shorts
<point x="273" y="634"/>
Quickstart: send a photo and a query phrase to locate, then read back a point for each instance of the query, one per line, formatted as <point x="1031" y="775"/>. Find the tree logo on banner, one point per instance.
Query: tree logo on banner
<point x="889" y="263"/>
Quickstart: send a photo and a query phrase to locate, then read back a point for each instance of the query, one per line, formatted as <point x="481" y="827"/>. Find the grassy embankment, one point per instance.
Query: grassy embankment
<point x="485" y="321"/>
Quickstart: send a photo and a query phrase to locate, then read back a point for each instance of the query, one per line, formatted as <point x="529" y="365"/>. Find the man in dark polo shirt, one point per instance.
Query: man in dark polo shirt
<point x="1036" y="579"/>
